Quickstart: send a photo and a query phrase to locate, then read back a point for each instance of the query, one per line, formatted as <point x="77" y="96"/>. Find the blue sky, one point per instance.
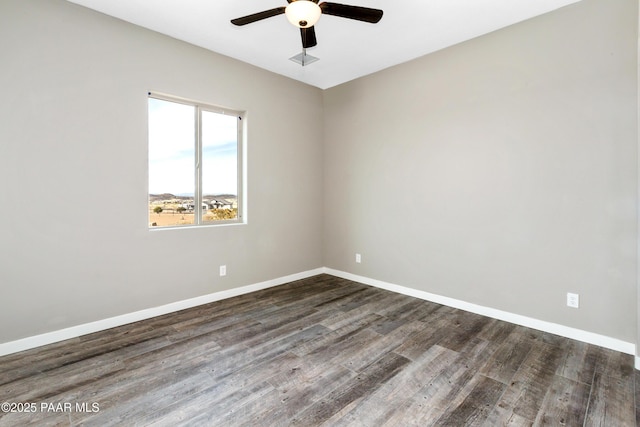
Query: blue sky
<point x="172" y="150"/>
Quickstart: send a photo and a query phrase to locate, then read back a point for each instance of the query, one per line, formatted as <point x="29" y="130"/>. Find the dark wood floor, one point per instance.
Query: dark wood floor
<point x="320" y="351"/>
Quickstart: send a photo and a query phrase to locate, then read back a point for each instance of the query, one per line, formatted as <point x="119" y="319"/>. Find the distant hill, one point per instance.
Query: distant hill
<point x="169" y="196"/>
<point x="220" y="196"/>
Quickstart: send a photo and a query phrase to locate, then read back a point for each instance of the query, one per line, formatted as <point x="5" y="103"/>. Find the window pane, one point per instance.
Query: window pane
<point x="171" y="163"/>
<point x="219" y="166"/>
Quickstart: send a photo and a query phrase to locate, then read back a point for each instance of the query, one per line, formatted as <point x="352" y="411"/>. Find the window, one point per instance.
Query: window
<point x="195" y="163"/>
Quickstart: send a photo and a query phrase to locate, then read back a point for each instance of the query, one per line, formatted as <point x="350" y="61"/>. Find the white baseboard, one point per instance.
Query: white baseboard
<point x="529" y="322"/>
<point x="100" y="325"/>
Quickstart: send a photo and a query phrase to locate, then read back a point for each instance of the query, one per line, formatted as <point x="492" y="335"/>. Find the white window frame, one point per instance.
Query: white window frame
<point x="199" y="107"/>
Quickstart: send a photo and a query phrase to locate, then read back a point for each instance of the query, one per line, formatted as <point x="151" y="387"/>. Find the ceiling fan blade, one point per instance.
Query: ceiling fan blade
<point x="258" y="16"/>
<point x="308" y="37"/>
<point x="352" y="12"/>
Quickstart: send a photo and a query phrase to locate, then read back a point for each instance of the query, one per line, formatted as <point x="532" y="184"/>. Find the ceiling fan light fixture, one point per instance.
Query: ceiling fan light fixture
<point x="303" y="13"/>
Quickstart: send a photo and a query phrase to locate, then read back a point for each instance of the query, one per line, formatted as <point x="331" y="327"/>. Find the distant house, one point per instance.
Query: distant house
<point x="219" y="203"/>
<point x="191" y="205"/>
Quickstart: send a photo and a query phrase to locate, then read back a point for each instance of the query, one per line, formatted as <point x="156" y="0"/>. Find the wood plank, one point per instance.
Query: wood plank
<point x="525" y="394"/>
<point x="323" y="350"/>
<point x="475" y="407"/>
<point x="370" y="379"/>
<point x="564" y="403"/>
<point x="294" y="399"/>
<point x="465" y="325"/>
<point x="428" y="404"/>
<point x="437" y="329"/>
<point x="382" y="405"/>
<point x="612" y="401"/>
<point x="581" y="361"/>
<point x="506" y="361"/>
<point x="413" y="311"/>
<point x="159" y="402"/>
<point x="337" y="336"/>
<point x="375" y="348"/>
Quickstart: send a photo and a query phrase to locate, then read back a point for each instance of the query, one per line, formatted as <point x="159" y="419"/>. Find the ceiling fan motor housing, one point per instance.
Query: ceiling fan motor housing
<point x="303" y="13"/>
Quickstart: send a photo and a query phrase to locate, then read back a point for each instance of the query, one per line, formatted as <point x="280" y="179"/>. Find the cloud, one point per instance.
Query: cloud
<point x="172" y="148"/>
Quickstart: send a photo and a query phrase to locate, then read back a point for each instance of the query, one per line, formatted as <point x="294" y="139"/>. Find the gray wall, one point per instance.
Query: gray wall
<point x="74" y="240"/>
<point x="500" y="172"/>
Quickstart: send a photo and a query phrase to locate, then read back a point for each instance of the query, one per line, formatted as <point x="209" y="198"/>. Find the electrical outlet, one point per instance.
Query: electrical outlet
<point x="223" y="270"/>
<point x="358" y="258"/>
<point x="573" y="300"/>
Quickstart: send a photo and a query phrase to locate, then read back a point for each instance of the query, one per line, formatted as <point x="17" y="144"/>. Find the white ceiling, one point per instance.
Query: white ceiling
<point x="347" y="49"/>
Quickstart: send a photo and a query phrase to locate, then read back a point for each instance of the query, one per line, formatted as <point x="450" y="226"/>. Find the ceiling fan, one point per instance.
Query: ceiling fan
<point x="305" y="13"/>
